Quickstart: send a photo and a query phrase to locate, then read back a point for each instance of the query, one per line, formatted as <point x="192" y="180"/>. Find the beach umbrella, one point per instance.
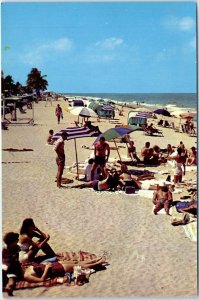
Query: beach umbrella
<point x="113" y="133"/>
<point x="162" y="111"/>
<point x="144" y="114"/>
<point x="107" y="107"/>
<point x="188" y="115"/>
<point x="144" y="109"/>
<point x="83" y="111"/>
<point x="76" y="133"/>
<point x="178" y="112"/>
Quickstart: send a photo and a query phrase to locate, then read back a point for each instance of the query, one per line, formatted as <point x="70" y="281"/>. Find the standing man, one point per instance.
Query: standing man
<point x="60" y="159"/>
<point x="58" y="113"/>
<point x="101" y="153"/>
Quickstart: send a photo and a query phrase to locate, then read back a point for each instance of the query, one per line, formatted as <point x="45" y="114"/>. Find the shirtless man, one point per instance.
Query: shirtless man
<point x="60" y="159"/>
<point x="145" y="152"/>
<point x="101" y="152"/>
<point x="162" y="198"/>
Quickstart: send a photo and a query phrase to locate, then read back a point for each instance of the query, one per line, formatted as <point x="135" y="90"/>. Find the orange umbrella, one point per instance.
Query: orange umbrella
<point x="188" y="115"/>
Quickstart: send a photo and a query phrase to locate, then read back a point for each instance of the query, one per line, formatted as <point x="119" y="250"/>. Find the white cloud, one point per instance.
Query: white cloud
<point x="182" y="24"/>
<point x="110" y="43"/>
<point x="46" y="51"/>
<point x="63" y="44"/>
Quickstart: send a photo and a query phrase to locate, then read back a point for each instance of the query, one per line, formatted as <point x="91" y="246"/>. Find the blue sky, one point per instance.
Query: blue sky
<point x="116" y="47"/>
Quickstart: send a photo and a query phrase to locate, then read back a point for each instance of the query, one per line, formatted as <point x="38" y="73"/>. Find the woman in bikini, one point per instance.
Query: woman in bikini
<point x="44" y="271"/>
<point x="29" y="248"/>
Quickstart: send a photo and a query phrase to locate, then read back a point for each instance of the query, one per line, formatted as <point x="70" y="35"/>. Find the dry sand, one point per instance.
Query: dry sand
<point x="150" y="257"/>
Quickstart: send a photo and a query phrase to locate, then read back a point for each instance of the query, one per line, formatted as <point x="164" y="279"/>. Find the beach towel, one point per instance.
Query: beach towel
<point x="191" y="231"/>
<point x="64" y="256"/>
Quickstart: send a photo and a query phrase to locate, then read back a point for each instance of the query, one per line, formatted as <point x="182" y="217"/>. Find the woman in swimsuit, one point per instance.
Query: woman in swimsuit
<point x="179" y="161"/>
<point x="29" y="248"/>
<point x="110" y="183"/>
<point x="44" y="271"/>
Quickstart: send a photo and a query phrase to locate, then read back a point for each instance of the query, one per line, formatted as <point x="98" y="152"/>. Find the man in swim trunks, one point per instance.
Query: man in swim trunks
<point x="60" y="159"/>
<point x="101" y="153"/>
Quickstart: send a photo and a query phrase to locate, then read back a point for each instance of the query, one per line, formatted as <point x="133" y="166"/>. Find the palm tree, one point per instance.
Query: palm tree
<point x="35" y="81"/>
<point x="7" y="84"/>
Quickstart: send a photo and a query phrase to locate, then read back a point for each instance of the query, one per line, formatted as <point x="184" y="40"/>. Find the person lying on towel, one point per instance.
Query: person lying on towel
<point x="44" y="271"/>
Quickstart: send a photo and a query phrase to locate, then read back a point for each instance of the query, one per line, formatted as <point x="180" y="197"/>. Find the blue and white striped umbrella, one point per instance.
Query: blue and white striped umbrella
<point x="76" y="133"/>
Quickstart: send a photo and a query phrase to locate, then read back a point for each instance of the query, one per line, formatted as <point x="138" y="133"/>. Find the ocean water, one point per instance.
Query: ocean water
<point x="181" y="100"/>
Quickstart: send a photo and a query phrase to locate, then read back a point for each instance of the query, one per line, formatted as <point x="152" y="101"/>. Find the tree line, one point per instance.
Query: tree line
<point x="35" y="83"/>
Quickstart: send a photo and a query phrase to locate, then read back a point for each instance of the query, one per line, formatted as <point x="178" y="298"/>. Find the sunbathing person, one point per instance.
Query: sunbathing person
<point x="109" y="183"/>
<point x="191" y="206"/>
<point x="29" y="248"/>
<point x="191" y="159"/>
<point x="162" y="198"/>
<point x="44" y="271"/>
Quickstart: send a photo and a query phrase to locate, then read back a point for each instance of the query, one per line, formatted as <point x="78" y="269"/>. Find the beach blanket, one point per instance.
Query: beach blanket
<point x="64" y="256"/>
<point x="191" y="231"/>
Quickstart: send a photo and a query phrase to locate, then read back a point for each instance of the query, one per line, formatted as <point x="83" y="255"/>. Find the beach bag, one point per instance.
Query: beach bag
<point x="181" y="205"/>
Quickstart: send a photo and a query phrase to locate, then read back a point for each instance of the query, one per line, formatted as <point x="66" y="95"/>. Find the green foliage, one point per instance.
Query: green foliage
<point x="36" y="81"/>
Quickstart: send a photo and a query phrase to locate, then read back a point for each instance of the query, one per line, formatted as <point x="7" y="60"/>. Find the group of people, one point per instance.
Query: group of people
<point x="21" y="260"/>
<point x="188" y="127"/>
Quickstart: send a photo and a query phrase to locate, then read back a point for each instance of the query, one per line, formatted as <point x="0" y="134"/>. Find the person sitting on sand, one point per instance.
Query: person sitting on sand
<point x="109" y="183"/>
<point x="127" y="179"/>
<point x="44" y="271"/>
<point x="162" y="198"/>
<point x="88" y="171"/>
<point x="191" y="159"/>
<point x="132" y="152"/>
<point x="88" y="124"/>
<point x="170" y="149"/>
<point x="50" y="140"/>
<point x="29" y="248"/>
<point x="146" y="153"/>
<point x="101" y="155"/>
<point x="11" y="266"/>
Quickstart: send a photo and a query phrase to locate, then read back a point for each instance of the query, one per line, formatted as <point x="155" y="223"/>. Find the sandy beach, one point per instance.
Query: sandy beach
<point x="149" y="256"/>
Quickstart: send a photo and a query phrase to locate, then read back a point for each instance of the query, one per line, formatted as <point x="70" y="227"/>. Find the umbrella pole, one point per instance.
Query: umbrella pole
<point x="117" y="150"/>
<point x="76" y="159"/>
